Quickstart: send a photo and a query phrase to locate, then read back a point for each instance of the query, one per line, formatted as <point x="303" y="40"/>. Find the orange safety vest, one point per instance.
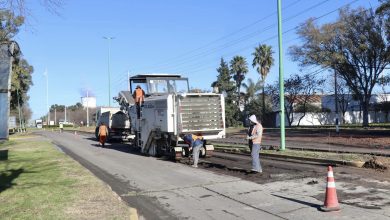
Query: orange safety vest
<point x="103" y="131"/>
<point x="139" y="95"/>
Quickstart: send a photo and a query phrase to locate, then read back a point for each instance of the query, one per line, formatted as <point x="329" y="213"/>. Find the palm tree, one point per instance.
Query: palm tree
<point x="238" y="68"/>
<point x="251" y="89"/>
<point x="263" y="60"/>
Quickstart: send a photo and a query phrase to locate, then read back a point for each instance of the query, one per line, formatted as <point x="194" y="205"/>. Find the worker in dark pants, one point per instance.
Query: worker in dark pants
<point x="103" y="133"/>
<point x="195" y="143"/>
<point x="249" y="133"/>
<point x="139" y="98"/>
<point x="256" y="137"/>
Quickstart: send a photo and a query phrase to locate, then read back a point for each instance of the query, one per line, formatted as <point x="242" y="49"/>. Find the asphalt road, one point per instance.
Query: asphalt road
<point x="222" y="189"/>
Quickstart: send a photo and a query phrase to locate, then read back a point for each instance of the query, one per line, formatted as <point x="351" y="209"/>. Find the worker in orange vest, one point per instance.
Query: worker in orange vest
<point x="103" y="133"/>
<point x="139" y="98"/>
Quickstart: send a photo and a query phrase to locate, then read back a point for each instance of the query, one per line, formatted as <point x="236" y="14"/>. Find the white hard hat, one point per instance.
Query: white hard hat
<point x="253" y="119"/>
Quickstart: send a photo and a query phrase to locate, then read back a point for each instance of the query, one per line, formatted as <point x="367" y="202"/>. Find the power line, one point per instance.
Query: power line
<point x="245" y="37"/>
<point x="274" y="36"/>
<point x="226" y="36"/>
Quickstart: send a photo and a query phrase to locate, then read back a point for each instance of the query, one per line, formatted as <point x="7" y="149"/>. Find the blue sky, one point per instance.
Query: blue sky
<point x="170" y="36"/>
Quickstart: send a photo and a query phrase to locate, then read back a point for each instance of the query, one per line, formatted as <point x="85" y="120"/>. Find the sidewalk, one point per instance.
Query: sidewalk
<point x="291" y="200"/>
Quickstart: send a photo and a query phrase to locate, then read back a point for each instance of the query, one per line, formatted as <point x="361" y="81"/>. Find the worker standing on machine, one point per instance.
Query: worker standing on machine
<point x="139" y="97"/>
<point x="195" y="142"/>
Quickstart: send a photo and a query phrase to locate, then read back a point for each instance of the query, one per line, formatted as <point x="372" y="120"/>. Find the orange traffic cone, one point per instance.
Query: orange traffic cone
<point x="331" y="202"/>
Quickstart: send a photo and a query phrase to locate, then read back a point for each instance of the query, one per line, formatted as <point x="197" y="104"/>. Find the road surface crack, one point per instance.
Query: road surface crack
<point x="243" y="203"/>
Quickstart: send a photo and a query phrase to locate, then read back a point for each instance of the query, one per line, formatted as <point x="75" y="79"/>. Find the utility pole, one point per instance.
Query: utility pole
<point x="20" y="115"/>
<point x="55" y="116"/>
<point x="336" y="100"/>
<point x="281" y="79"/>
<point x="65" y="113"/>
<point x="109" y="74"/>
<point x="128" y="80"/>
<point x="47" y="97"/>
<point x="87" y="109"/>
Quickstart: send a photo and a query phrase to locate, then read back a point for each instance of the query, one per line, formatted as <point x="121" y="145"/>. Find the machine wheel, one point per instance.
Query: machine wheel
<point x="203" y="152"/>
<point x="97" y="133"/>
<point x="152" y="149"/>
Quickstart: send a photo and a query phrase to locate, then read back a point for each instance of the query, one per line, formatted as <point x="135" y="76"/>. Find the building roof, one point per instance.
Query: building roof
<point x="311" y="98"/>
<point x="143" y="76"/>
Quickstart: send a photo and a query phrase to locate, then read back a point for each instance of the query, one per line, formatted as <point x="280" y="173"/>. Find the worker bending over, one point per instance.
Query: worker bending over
<point x="195" y="142"/>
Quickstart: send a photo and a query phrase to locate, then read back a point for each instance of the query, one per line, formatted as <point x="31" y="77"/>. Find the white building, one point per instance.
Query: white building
<point x="353" y="114"/>
<point x="88" y="101"/>
<point x="346" y="100"/>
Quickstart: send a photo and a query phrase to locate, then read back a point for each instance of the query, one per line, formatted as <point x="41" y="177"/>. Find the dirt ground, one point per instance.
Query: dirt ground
<point x="362" y="138"/>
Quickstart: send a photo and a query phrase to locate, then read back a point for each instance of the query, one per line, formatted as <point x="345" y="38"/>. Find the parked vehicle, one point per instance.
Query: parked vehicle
<point x="117" y="122"/>
<point x="12" y="124"/>
<point x="38" y="123"/>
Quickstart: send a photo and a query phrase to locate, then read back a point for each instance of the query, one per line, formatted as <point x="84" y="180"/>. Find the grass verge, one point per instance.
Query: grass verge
<point x="40" y="182"/>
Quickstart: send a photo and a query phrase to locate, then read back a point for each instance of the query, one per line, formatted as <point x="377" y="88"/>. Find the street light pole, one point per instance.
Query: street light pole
<point x="128" y="80"/>
<point x="109" y="74"/>
<point x="87" y="109"/>
<point x="336" y="100"/>
<point x="47" y="97"/>
<point x="281" y="79"/>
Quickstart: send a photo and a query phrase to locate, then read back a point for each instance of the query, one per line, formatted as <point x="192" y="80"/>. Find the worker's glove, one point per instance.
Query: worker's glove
<point x="248" y="138"/>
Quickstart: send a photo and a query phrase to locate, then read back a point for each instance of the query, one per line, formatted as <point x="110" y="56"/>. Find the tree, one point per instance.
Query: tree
<point x="19" y="7"/>
<point x="252" y="89"/>
<point x="9" y="25"/>
<point x="58" y="108"/>
<point x="344" y="96"/>
<point x="297" y="93"/>
<point x="384" y="8"/>
<point x="226" y="86"/>
<point x="21" y="70"/>
<point x="263" y="60"/>
<point x="20" y="83"/>
<point x="75" y="107"/>
<point x="224" y="82"/>
<point x="355" y="46"/>
<point x="238" y="68"/>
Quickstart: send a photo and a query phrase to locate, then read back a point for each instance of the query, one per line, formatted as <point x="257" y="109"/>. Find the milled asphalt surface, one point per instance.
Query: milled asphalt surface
<point x="161" y="189"/>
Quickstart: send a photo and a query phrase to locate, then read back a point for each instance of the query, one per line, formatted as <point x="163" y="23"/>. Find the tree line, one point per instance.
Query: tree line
<point x="355" y="47"/>
<point x="13" y="14"/>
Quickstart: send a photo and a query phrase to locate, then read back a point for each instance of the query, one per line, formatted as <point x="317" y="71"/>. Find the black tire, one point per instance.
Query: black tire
<point x="202" y="152"/>
<point x="97" y="133"/>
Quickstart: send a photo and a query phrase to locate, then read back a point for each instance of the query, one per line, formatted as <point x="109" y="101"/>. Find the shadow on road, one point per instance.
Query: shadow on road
<point x="125" y="147"/>
<point x="7" y="177"/>
<point x="313" y="205"/>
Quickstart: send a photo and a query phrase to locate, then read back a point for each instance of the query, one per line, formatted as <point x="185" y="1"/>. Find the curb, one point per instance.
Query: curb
<point x="358" y="164"/>
<point x="303" y="148"/>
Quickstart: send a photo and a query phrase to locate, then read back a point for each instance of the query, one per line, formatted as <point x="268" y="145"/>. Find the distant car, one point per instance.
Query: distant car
<point x="38" y="123"/>
<point x="12" y="124"/>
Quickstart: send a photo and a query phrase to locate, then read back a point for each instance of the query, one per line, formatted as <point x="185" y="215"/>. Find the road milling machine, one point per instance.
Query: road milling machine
<point x="170" y="109"/>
